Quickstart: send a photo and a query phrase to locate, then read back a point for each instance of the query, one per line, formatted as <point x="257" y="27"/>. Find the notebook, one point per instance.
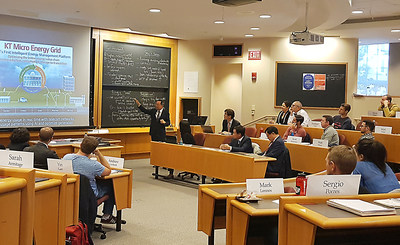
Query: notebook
<point x="360" y="207"/>
<point x="391" y="202"/>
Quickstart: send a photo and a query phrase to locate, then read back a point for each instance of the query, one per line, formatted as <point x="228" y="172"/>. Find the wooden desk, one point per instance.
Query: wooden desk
<point x="391" y="141"/>
<point x="232" y="167"/>
<point x="385" y="121"/>
<point x="50" y="203"/>
<point x="308" y="220"/>
<point x="16" y="205"/>
<point x="212" y="205"/>
<point x="252" y="223"/>
<point x="122" y="183"/>
<point x="215" y="140"/>
<point x="110" y="151"/>
<point x="71" y="198"/>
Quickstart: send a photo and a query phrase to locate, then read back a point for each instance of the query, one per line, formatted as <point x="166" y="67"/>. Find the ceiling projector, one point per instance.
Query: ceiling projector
<point x="306" y="38"/>
<point x="234" y="2"/>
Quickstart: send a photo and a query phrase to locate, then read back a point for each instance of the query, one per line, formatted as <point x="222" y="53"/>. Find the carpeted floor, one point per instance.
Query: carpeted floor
<point x="163" y="212"/>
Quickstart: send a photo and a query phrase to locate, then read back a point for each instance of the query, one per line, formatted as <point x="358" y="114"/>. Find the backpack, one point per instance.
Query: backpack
<point x="77" y="235"/>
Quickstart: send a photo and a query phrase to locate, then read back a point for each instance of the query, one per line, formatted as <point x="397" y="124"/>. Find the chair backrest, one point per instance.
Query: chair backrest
<point x="171" y="139"/>
<point x="87" y="203"/>
<point x="250" y="132"/>
<point x="342" y="139"/>
<point x="199" y="138"/>
<point x="317" y="119"/>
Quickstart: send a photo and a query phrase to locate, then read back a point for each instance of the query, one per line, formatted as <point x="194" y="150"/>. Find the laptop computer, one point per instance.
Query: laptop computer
<point x="207" y="129"/>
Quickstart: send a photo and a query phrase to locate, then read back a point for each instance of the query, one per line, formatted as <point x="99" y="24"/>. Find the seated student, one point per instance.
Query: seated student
<point x="330" y="133"/>
<point x="19" y="139"/>
<point x="83" y="164"/>
<point x="41" y="149"/>
<point x="367" y="127"/>
<point x="389" y="109"/>
<point x="340" y="159"/>
<point x="276" y="149"/>
<point x="240" y="142"/>
<point x="296" y="109"/>
<point x="229" y="123"/>
<point x="376" y="175"/>
<point x="295" y="129"/>
<point x="284" y="114"/>
<point x="342" y="121"/>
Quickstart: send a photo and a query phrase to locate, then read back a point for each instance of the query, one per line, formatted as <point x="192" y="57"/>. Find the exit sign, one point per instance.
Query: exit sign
<point x="254" y="54"/>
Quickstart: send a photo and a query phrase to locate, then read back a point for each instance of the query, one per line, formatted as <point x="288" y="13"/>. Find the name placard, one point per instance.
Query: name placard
<point x="333" y="185"/>
<point x="265" y="186"/>
<point x="99" y="131"/>
<point x="115" y="162"/>
<point x="320" y="143"/>
<point x="315" y="124"/>
<point x="398" y="114"/>
<point x="294" y="139"/>
<point x="59" y="165"/>
<point x="383" y="129"/>
<point x="19" y="159"/>
<point x="375" y="113"/>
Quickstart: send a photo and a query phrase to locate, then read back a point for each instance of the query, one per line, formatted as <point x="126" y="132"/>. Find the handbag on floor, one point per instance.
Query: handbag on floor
<point x="77" y="235"/>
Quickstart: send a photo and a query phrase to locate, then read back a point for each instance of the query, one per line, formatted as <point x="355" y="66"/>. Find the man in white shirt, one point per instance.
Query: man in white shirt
<point x="296" y="110"/>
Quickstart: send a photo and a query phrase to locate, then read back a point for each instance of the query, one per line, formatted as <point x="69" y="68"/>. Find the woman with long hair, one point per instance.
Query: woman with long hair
<point x="376" y="175"/>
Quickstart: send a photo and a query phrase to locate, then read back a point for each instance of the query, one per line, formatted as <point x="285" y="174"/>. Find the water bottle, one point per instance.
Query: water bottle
<point x="292" y="134"/>
<point x="181" y="141"/>
<point x="301" y="184"/>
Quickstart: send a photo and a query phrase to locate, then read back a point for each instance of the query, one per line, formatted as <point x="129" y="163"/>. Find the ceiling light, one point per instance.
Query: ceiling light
<point x="219" y="22"/>
<point x="357" y="12"/>
<point x="155" y="10"/>
<point x="255" y="28"/>
<point x="265" y="16"/>
<point x="395" y="30"/>
<point x="249" y="35"/>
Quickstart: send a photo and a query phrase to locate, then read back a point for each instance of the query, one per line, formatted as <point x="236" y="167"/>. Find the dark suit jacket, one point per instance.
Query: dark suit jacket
<point x="243" y="146"/>
<point x="40" y="154"/>
<point x="282" y="165"/>
<point x="225" y="125"/>
<point x="157" y="130"/>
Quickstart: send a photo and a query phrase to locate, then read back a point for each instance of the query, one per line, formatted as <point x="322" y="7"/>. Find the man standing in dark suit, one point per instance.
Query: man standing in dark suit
<point x="276" y="150"/>
<point x="159" y="120"/>
<point x="229" y="123"/>
<point x="240" y="142"/>
<point x="41" y="150"/>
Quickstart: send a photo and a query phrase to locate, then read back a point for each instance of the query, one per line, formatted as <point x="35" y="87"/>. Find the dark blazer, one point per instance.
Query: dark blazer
<point x="40" y="155"/>
<point x="243" y="146"/>
<point x="282" y="165"/>
<point x="225" y="125"/>
<point x="187" y="138"/>
<point x="17" y="146"/>
<point x="283" y="117"/>
<point x="157" y="130"/>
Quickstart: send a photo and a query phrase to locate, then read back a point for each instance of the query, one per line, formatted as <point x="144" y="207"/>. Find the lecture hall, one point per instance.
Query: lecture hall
<point x="245" y="122"/>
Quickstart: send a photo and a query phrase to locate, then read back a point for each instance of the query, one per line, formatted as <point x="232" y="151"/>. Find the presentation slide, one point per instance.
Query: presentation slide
<point x="38" y="87"/>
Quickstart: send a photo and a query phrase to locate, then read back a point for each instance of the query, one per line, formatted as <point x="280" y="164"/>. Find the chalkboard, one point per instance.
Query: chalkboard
<point x="134" y="65"/>
<point x="133" y="71"/>
<point x="120" y="109"/>
<point x="289" y="84"/>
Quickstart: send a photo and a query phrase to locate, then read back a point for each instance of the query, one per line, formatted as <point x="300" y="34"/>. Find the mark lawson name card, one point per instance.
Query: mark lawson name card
<point x="265" y="186"/>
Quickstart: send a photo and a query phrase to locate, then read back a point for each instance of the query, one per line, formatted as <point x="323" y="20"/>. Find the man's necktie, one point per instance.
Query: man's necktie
<point x="158" y="115"/>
